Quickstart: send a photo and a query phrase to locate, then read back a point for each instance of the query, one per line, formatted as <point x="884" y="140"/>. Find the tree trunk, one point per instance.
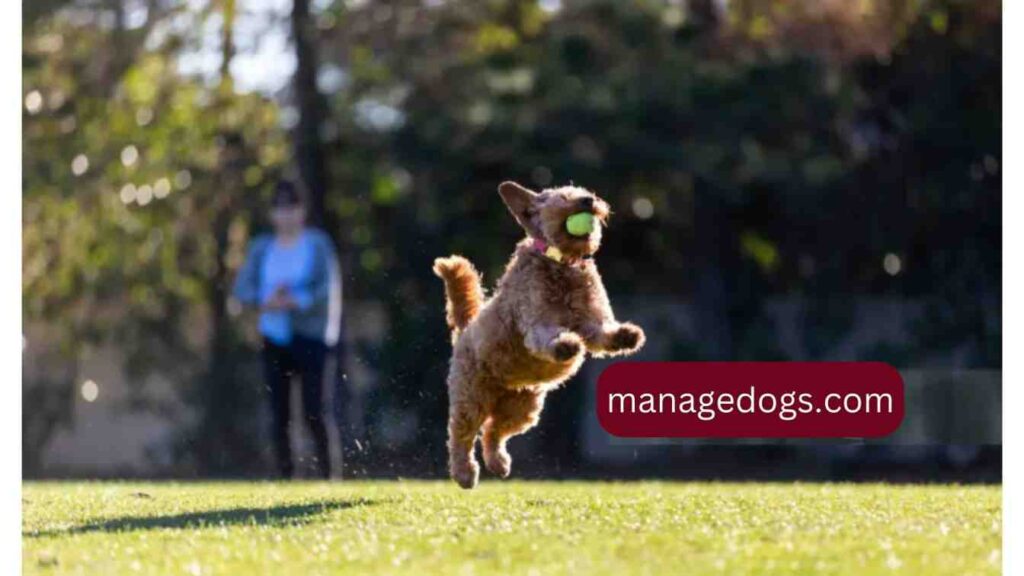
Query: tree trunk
<point x="227" y="49"/>
<point x="310" y="157"/>
<point x="309" y="150"/>
<point x="224" y="443"/>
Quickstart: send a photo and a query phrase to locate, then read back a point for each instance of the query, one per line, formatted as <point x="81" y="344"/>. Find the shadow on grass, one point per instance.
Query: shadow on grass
<point x="282" y="515"/>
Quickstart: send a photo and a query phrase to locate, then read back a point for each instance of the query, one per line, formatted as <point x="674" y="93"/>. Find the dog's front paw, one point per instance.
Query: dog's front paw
<point x="566" y="346"/>
<point x="627" y="338"/>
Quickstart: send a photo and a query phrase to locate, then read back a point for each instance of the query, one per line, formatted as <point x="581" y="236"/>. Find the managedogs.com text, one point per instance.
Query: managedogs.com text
<point x="706" y="406"/>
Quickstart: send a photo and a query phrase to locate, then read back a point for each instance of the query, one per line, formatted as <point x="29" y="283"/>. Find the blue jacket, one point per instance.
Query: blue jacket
<point x="322" y="319"/>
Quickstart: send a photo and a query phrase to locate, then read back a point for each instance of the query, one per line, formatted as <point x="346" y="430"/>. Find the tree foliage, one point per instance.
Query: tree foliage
<point x="822" y="150"/>
<point x="125" y="181"/>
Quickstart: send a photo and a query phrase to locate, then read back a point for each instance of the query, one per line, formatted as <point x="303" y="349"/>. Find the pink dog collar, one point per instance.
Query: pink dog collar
<point x="549" y="251"/>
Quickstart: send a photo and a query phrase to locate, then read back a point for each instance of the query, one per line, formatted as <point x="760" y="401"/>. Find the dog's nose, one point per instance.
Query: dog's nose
<point x="586" y="203"/>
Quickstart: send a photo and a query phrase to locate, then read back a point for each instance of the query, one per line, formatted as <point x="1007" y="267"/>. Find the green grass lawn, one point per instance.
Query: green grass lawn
<point x="509" y="527"/>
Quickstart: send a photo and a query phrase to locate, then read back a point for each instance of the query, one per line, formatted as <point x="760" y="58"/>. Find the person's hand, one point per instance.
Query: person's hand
<point x="280" y="300"/>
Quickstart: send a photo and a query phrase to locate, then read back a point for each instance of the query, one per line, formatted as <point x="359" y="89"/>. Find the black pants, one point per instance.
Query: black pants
<point x="305" y="358"/>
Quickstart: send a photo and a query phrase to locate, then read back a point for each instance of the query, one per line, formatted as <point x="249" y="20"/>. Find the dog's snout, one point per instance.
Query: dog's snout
<point x="586" y="203"/>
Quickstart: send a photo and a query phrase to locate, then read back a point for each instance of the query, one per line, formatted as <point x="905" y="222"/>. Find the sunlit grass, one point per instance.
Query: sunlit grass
<point x="509" y="527"/>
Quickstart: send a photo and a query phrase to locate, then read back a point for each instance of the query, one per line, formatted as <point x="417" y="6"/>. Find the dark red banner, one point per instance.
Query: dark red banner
<point x="750" y="399"/>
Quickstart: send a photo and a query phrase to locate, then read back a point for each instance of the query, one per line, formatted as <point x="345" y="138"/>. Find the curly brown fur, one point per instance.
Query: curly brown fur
<point x="463" y="292"/>
<point x="532" y="334"/>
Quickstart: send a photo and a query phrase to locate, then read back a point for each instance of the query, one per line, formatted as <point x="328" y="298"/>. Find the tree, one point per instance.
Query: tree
<point x="751" y="150"/>
<point x="749" y="154"/>
<point x="309" y="153"/>
<point x="122" y="190"/>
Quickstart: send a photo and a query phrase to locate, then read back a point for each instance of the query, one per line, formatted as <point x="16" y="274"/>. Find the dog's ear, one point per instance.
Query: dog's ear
<point x="522" y="203"/>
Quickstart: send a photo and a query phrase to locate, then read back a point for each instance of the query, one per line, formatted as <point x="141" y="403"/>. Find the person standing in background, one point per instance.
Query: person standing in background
<point x="291" y="276"/>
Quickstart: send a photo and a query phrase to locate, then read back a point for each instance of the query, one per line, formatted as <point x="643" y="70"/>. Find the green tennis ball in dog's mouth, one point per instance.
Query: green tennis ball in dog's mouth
<point x="580" y="224"/>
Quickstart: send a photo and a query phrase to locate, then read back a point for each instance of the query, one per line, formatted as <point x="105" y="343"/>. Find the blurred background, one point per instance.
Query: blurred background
<point x="790" y="180"/>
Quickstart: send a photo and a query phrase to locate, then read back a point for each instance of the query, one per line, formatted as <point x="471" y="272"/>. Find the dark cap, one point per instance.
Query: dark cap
<point x="286" y="194"/>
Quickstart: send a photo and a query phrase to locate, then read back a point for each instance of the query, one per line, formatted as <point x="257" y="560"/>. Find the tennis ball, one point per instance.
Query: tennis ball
<point x="580" y="224"/>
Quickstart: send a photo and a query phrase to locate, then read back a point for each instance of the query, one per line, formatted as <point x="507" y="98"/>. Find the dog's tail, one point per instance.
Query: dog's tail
<point x="462" y="289"/>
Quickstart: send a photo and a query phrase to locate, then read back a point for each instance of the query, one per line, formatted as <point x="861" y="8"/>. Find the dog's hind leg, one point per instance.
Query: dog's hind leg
<point x="513" y="413"/>
<point x="464" y="421"/>
<point x="466" y="413"/>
